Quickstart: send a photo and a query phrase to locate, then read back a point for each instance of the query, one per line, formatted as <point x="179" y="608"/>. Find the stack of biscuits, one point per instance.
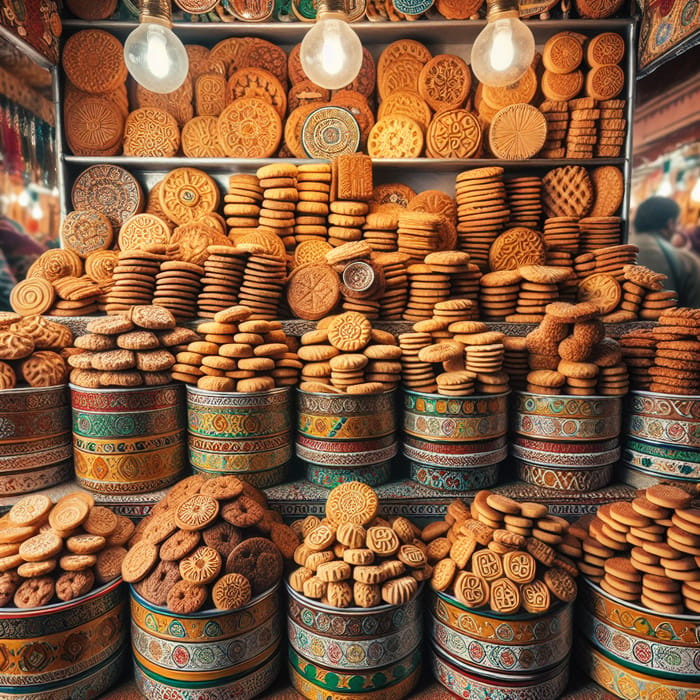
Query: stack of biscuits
<point x="314" y="187"/>
<point x="280" y="196"/>
<point x="645" y="551"/>
<point x="581" y="136"/>
<point x="346" y="355"/>
<point x="638" y="349"/>
<point x="59" y="552"/>
<point x="611" y="128"/>
<point x="208" y="542"/>
<point x="238" y="353"/>
<point x="242" y="204"/>
<point x="32" y="351"/>
<point x="503" y="554"/>
<point x="557" y="117"/>
<point x="355" y="558"/>
<point x="569" y="354"/>
<point x="128" y="350"/>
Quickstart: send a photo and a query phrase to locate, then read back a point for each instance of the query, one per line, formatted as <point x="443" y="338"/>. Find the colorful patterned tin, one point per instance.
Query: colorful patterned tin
<point x="467" y="682"/>
<point x="346" y="432"/>
<point x="627" y="683"/>
<point x="667" y="406"/>
<point x="354" y="652"/>
<point x="587" y="479"/>
<point x="344" y="416"/>
<point x="212" y="653"/>
<point x="130" y="440"/>
<point x="441" y="479"/>
<point x="635" y="620"/>
<point x="330" y="477"/>
<point x="580" y="460"/>
<point x="511" y="630"/>
<point x="567" y="418"/>
<point x="242" y="434"/>
<point x="663" y="467"/>
<point x="356" y="684"/>
<point x="35" y="444"/>
<point x="643" y="479"/>
<point x="441" y="419"/>
<point x="67" y="650"/>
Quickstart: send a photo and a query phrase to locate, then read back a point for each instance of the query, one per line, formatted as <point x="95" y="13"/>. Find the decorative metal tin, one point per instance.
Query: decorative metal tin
<point x="499" y="657"/>
<point x="35" y="445"/>
<point x="347" y="459"/>
<point x="413" y="7"/>
<point x="569" y="418"/>
<point x="330" y="131"/>
<point x="261" y="480"/>
<point x="246" y="687"/>
<point x="466" y="682"/>
<point x="668" y="406"/>
<point x="586" y="479"/>
<point x="330" y="477"/>
<point x="130" y="473"/>
<point x="579" y="460"/>
<point x="572" y="448"/>
<point x="662" y="451"/>
<point x="326" y="446"/>
<point x="345" y="417"/>
<point x="121" y="400"/>
<point x="627" y="683"/>
<point x="26" y="399"/>
<point x="454" y="460"/>
<point x="672" y="431"/>
<point x="244" y="434"/>
<point x="128" y="441"/>
<point x="441" y="419"/>
<point x="35" y="479"/>
<point x="664" y="467"/>
<point x="471" y="479"/>
<point x="456" y="449"/>
<point x="635" y="620"/>
<point x="495" y="628"/>
<point x="355" y="682"/>
<point x="395" y="692"/>
<point x="655" y="658"/>
<point x="353" y="623"/>
<point x="234" y="416"/>
<point x="353" y="653"/>
<point x="211" y="652"/>
<point x="51" y="651"/>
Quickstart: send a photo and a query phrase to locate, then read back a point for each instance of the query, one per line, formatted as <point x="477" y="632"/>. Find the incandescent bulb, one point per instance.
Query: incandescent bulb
<point x="695" y="192"/>
<point x="503" y="51"/>
<point x="665" y="188"/>
<point x="331" y="52"/>
<point x="156" y="58"/>
<point x="24" y="199"/>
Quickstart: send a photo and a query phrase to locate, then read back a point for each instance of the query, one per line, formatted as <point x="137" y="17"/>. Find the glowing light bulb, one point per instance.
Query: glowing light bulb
<point x="331" y="51"/>
<point x="504" y="49"/>
<point x="695" y="192"/>
<point x="23" y="199"/>
<point x="37" y="212"/>
<point x="155" y="57"/>
<point x="665" y="188"/>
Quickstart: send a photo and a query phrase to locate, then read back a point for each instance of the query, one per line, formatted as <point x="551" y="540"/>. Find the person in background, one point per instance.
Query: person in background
<point x="17" y="252"/>
<point x="655" y="224"/>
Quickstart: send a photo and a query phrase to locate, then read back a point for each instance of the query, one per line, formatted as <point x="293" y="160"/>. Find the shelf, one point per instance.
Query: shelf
<point x="248" y="164"/>
<point x="442" y="31"/>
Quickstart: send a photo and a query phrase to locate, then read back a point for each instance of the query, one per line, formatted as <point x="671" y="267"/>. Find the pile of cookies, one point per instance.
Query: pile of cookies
<point x="355" y="558"/>
<point x="645" y="551"/>
<point x="666" y="358"/>
<point x="570" y="354"/>
<point x="56" y="284"/>
<point x="32" y="351"/>
<point x="346" y="355"/>
<point x="59" y="552"/>
<point x="128" y="350"/>
<point x="502" y="553"/>
<point x="246" y="98"/>
<point x="208" y="542"/>
<point x="466" y="359"/>
<point x="235" y="353"/>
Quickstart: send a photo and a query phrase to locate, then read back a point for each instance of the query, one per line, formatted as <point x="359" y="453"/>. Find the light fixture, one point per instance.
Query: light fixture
<point x="331" y="51"/>
<point x="155" y="57"/>
<point x="505" y="47"/>
<point x="695" y="192"/>
<point x="666" y="187"/>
